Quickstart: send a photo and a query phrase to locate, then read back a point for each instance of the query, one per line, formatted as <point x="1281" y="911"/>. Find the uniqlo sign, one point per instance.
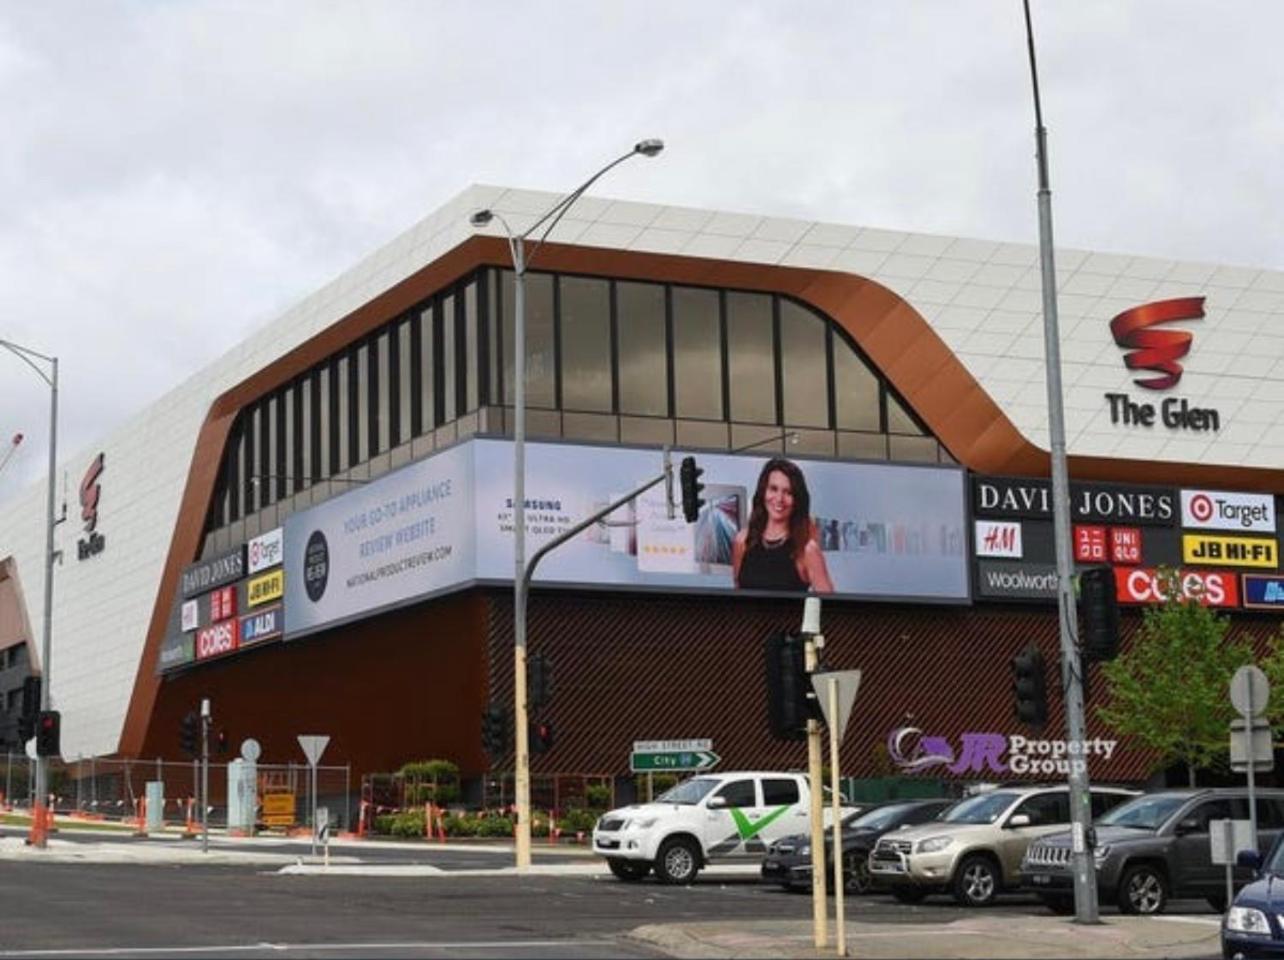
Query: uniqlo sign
<point x="222" y="604"/>
<point x="1089" y="544"/>
<point x="1125" y="545"/>
<point x="1213" y="588"/>
<point x="218" y="639"/>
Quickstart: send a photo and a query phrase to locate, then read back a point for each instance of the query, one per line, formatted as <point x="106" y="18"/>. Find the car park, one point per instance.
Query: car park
<point x="1152" y="849"/>
<point x="975" y="850"/>
<point x="724" y="816"/>
<point x="789" y="861"/>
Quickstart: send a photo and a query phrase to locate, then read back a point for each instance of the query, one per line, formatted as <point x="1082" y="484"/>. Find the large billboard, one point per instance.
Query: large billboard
<point x="859" y="530"/>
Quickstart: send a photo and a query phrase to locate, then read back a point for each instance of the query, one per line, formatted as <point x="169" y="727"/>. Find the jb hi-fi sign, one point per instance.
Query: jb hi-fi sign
<point x="1157" y="354"/>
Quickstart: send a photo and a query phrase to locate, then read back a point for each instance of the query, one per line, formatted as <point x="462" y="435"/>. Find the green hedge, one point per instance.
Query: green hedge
<point x="495" y="827"/>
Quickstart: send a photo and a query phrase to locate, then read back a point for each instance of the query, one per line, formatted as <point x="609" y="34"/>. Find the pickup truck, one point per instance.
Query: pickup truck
<point x="708" y="817"/>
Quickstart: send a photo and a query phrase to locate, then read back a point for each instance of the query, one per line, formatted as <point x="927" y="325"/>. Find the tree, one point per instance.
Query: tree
<point x="1170" y="690"/>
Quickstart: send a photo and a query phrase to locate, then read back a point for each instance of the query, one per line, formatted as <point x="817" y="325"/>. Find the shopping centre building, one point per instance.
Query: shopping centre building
<point x="315" y="531"/>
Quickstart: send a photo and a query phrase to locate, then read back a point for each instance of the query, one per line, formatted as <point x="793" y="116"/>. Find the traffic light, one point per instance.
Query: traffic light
<point x="1099" y="606"/>
<point x="1030" y="686"/>
<point x="30" y="709"/>
<point x="790" y="698"/>
<point x="541" y="737"/>
<point x="689" y="475"/>
<point x="220" y="742"/>
<point x="189" y="734"/>
<point x="495" y="730"/>
<point x="539" y="681"/>
<point x="48" y="733"/>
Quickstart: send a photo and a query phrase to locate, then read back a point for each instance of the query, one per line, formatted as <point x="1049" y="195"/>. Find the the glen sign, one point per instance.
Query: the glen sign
<point x="672" y="756"/>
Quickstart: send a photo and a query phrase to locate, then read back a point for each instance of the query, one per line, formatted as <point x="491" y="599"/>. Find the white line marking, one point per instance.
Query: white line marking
<point x="351" y="948"/>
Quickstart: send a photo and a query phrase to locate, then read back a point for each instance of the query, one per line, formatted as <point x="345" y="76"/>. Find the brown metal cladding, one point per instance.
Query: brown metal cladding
<point x="897" y="339"/>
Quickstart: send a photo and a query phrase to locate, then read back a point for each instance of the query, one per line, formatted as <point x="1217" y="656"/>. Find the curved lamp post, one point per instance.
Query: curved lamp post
<point x="521" y="261"/>
<point x="29" y="357"/>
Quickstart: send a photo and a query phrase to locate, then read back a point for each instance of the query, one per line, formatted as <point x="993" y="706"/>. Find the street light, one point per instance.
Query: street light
<point x="521" y="261"/>
<point x="28" y="356"/>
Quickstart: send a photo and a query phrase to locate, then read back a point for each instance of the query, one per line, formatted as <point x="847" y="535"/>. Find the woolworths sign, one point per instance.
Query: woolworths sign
<point x="1015" y="580"/>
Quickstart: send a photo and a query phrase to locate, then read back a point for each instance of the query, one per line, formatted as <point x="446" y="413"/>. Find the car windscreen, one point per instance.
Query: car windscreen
<point x="1144" y="812"/>
<point x="1275" y="864"/>
<point x="688" y="791"/>
<point x="879" y="818"/>
<point x="983" y="808"/>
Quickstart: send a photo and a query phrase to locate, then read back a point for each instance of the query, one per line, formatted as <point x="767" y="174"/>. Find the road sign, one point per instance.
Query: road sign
<point x="1256" y="745"/>
<point x="278" y="809"/>
<point x="654" y="746"/>
<point x="848" y="683"/>
<point x="1250" y="690"/>
<point x="313" y="746"/>
<point x="672" y="760"/>
<point x="250" y="749"/>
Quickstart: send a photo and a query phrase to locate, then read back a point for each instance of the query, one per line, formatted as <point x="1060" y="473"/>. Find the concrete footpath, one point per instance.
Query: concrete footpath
<point x="975" y="934"/>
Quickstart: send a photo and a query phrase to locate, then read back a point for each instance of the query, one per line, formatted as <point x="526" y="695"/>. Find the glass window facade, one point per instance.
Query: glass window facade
<point x="607" y="360"/>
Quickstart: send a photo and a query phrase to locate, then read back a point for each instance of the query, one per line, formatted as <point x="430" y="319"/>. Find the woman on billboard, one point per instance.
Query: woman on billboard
<point x="778" y="550"/>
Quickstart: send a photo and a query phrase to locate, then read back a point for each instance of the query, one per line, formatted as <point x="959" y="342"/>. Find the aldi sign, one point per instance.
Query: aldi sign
<point x="261" y="625"/>
<point x="1262" y="592"/>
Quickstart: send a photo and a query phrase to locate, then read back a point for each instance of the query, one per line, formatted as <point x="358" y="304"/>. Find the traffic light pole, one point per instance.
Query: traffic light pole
<point x="205" y="776"/>
<point x="1085" y="874"/>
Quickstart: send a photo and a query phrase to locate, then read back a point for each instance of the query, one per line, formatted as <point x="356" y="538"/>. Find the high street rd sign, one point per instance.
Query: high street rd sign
<point x="672" y="755"/>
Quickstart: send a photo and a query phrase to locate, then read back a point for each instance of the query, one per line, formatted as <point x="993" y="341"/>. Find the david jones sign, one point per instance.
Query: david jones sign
<point x="1158" y="352"/>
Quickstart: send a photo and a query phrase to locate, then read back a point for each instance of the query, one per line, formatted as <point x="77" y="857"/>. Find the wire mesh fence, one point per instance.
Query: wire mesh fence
<point x="113" y="789"/>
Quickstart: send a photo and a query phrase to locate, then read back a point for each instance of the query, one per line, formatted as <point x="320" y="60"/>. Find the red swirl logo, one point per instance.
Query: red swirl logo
<point x="1157" y="350"/>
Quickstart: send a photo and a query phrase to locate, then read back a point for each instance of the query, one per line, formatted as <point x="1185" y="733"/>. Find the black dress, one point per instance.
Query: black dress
<point x="766" y="567"/>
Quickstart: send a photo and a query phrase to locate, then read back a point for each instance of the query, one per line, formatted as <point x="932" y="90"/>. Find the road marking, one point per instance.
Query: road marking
<point x="349" y="948"/>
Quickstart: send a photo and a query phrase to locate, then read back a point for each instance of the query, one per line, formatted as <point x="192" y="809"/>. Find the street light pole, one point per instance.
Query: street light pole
<point x="39" y="829"/>
<point x="517" y="248"/>
<point x="1085" y="873"/>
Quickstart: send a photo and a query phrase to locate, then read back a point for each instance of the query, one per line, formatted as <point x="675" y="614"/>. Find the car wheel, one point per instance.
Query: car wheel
<point x="1062" y="906"/>
<point x="628" y="870"/>
<point x="1143" y="889"/>
<point x="908" y="894"/>
<point x="678" y="861"/>
<point x="976" y="882"/>
<point x="856" y="878"/>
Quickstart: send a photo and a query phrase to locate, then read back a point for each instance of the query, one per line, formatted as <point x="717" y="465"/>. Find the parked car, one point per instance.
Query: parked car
<point x="1152" y="849"/>
<point x="974" y="851"/>
<point x="788" y="861"/>
<point x="705" y="818"/>
<point x="1254" y="925"/>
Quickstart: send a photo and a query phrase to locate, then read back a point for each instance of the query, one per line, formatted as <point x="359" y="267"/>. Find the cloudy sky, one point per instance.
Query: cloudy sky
<point x="175" y="173"/>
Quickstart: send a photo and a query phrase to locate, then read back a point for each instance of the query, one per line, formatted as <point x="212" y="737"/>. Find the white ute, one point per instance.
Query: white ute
<point x="708" y="817"/>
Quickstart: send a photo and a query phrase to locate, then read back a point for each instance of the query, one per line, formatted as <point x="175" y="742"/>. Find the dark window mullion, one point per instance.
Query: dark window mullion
<point x="282" y="463"/>
<point x="614" y="320"/>
<point x="438" y="362"/>
<point x="230" y="475"/>
<point x="482" y="372"/>
<point x="296" y="455"/>
<point x="354" y="409"/>
<point x="372" y="395"/>
<point x="831" y="399"/>
<point x="671" y="400"/>
<point x="726" y="356"/>
<point x="333" y="419"/>
<point x="557" y="342"/>
<point x="395" y="386"/>
<point x="416" y="376"/>
<point x="314" y="446"/>
<point x="777" y="361"/>
<point x="460" y="358"/>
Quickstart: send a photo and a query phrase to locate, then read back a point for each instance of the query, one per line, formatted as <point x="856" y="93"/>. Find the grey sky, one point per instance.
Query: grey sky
<point x="174" y="174"/>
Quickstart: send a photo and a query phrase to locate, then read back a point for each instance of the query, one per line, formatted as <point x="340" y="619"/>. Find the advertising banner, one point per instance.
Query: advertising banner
<point x="265" y="551"/>
<point x="406" y="535"/>
<point x="208" y="574"/>
<point x="851" y="529"/>
<point x="1217" y="510"/>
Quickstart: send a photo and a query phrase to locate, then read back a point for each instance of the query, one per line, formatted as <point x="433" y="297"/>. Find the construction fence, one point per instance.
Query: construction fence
<point x="114" y="789"/>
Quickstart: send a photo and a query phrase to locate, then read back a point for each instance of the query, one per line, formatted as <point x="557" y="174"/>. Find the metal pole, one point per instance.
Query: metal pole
<point x="815" y="778"/>
<point x="38" y="834"/>
<point x="347" y="795"/>
<point x="1249" y="718"/>
<point x="205" y="776"/>
<point x="841" y="932"/>
<point x="521" y="757"/>
<point x="1085" y="874"/>
<point x="314" y="809"/>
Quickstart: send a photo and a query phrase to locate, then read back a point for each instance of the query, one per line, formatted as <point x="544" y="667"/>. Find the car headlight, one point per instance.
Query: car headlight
<point x="643" y="823"/>
<point x="804" y="850"/>
<point x="1099" y="855"/>
<point x="933" y="844"/>
<point x="1247" y="920"/>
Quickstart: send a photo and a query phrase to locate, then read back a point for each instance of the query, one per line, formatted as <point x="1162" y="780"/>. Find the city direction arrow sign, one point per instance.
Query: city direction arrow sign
<point x="672" y="760"/>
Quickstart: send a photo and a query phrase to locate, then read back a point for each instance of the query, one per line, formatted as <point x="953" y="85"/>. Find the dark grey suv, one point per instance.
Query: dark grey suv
<point x="1153" y="848"/>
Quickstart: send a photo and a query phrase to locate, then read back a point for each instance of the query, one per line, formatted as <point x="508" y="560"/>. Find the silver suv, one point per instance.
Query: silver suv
<point x="974" y="851"/>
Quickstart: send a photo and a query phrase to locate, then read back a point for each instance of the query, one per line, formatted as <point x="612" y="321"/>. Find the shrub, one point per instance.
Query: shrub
<point x="598" y="796"/>
<point x="577" y="820"/>
<point x="410" y="824"/>
<point x="460" y="826"/>
<point x="383" y="823"/>
<point x="539" y="826"/>
<point x="495" y="827"/>
<point x="430" y="781"/>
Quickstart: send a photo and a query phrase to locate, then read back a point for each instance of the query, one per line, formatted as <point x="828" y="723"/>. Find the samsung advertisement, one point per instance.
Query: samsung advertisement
<point x="769" y="526"/>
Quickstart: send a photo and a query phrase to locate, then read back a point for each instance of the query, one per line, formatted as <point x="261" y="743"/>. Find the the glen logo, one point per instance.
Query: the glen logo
<point x="90" y="494"/>
<point x="1158" y="351"/>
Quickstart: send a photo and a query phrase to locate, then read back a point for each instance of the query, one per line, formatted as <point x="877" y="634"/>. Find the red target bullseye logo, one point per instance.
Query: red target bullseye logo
<point x="1201" y="508"/>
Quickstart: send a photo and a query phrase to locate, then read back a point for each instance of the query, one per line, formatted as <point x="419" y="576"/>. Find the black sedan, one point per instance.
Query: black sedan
<point x="788" y="860"/>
